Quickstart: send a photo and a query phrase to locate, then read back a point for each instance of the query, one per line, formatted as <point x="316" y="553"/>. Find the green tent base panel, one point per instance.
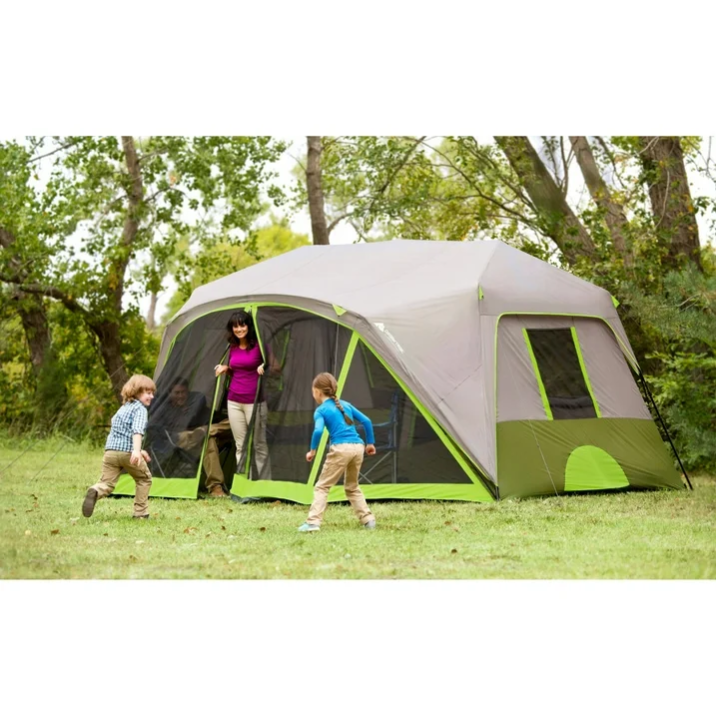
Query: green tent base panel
<point x="533" y="456"/>
<point x="591" y="468"/>
<point x="303" y="494"/>
<point x="186" y="488"/>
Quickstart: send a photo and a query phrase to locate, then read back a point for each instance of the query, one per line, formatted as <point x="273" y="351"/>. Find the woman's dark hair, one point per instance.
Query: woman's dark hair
<point x="241" y="318"/>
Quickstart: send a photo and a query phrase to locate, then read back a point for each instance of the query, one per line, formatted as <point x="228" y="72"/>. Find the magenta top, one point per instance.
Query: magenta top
<point x="244" y="378"/>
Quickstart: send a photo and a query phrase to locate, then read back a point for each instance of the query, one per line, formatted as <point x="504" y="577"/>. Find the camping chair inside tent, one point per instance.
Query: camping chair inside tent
<point x="386" y="442"/>
<point x="167" y="457"/>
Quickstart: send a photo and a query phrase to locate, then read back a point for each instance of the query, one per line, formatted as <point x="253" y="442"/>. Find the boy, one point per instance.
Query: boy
<point x="123" y="449"/>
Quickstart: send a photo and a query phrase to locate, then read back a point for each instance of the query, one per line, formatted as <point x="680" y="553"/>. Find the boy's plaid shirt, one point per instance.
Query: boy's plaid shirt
<point x="131" y="418"/>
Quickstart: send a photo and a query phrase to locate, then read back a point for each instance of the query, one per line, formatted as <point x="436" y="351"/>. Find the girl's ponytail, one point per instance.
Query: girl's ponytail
<point x="340" y="407"/>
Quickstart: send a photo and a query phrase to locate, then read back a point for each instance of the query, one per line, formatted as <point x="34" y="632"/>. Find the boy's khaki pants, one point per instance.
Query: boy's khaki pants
<point x="345" y="457"/>
<point x="113" y="463"/>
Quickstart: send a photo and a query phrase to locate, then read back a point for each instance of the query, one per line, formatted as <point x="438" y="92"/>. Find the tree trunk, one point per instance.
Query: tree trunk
<point x="135" y="193"/>
<point x="50" y="390"/>
<point x="663" y="162"/>
<point x="110" y="344"/>
<point x="314" y="187"/>
<point x="37" y="330"/>
<point x="614" y="216"/>
<point x="151" y="319"/>
<point x="110" y="348"/>
<point x="556" y="218"/>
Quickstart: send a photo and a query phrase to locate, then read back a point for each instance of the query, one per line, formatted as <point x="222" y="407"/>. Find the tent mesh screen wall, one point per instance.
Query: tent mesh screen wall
<point x="179" y="416"/>
<point x="408" y="450"/>
<point x="298" y="346"/>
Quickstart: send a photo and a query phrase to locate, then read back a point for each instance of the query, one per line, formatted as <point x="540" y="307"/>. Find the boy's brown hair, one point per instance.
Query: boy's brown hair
<point x="135" y="386"/>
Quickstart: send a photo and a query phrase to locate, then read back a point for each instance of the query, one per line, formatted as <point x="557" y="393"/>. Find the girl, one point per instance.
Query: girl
<point x="344" y="456"/>
<point x="123" y="449"/>
<point x="246" y="365"/>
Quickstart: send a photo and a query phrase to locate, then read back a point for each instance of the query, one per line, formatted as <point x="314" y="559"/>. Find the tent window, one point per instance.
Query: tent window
<point x="563" y="384"/>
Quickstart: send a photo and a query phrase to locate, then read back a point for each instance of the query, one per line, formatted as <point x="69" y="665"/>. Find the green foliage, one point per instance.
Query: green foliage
<point x="675" y="331"/>
<point x="16" y="383"/>
<point x="419" y="188"/>
<point x="221" y="258"/>
<point x="97" y="222"/>
<point x="88" y="197"/>
<point x="685" y="391"/>
<point x="72" y="397"/>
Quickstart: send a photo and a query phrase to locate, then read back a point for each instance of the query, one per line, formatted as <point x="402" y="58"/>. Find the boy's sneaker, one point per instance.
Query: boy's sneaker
<point x="370" y="525"/>
<point x="305" y="527"/>
<point x="89" y="502"/>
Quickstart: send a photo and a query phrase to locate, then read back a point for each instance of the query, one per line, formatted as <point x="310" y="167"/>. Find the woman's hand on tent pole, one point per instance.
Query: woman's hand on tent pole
<point x="220" y="370"/>
<point x="260" y="369"/>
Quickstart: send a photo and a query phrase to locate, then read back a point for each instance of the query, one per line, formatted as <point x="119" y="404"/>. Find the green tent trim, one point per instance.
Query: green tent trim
<point x="538" y="375"/>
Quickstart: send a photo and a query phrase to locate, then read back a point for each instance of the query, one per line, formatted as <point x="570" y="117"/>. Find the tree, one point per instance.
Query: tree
<point x="555" y="217"/>
<point x="314" y="189"/>
<point x="350" y="196"/>
<point x="18" y="215"/>
<point x="662" y="159"/>
<point x="517" y="189"/>
<point x="108" y="202"/>
<point x="613" y="212"/>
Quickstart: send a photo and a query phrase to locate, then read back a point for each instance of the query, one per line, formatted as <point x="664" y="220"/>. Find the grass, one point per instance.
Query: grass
<point x="635" y="535"/>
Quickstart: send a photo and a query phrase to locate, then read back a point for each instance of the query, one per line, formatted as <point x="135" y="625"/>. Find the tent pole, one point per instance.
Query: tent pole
<point x="663" y="425"/>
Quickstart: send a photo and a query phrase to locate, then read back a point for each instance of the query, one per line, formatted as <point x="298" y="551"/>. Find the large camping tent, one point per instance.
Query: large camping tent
<point x="487" y="372"/>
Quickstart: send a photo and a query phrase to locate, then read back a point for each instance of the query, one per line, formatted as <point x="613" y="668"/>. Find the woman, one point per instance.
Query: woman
<point x="245" y="367"/>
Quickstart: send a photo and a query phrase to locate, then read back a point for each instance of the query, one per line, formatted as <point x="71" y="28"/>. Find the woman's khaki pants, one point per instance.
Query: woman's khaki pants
<point x="240" y="419"/>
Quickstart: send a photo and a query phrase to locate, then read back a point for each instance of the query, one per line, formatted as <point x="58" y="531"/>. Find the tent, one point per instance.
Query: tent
<point x="487" y="372"/>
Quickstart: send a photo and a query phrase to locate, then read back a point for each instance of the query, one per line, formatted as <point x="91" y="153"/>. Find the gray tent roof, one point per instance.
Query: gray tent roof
<point x="368" y="278"/>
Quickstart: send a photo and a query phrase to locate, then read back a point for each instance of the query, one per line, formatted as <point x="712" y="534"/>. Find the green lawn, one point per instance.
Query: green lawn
<point x="648" y="535"/>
